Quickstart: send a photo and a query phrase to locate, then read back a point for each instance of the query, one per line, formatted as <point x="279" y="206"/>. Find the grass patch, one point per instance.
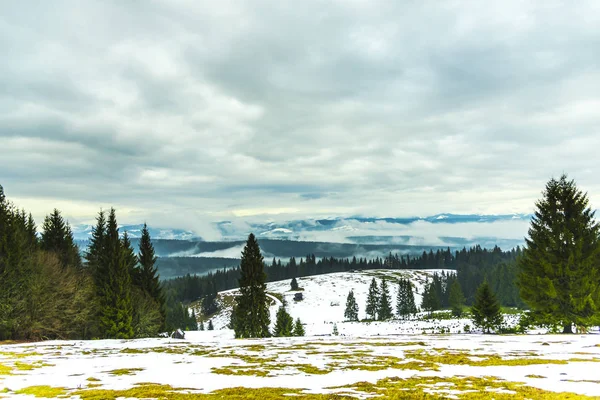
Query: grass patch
<point x="471" y="388"/>
<point x="43" y="391"/>
<point x="5" y="369"/>
<point x="92" y="379"/>
<point x="124" y="371"/>
<point x="240" y="370"/>
<point x="535" y="376"/>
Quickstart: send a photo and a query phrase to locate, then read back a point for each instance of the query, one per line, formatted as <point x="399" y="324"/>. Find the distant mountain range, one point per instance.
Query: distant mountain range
<point x="297" y="229"/>
<point x="350" y="228"/>
<point x="83" y="232"/>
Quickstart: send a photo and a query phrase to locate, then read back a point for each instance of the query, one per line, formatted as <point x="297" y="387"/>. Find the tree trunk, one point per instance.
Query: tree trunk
<point x="568" y="328"/>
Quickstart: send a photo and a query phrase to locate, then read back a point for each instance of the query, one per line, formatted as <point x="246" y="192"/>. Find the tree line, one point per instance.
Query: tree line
<point x="48" y="291"/>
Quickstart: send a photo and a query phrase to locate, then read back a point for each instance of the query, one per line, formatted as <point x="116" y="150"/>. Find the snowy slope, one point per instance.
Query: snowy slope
<point x="325" y="299"/>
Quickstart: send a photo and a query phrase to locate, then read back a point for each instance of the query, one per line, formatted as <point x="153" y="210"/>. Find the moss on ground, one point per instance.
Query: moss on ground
<point x="124" y="371"/>
<point x="391" y="388"/>
<point x="43" y="391"/>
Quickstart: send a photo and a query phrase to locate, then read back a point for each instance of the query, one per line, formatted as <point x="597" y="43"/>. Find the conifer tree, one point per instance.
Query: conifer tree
<point x="251" y="313"/>
<point x="298" y="328"/>
<point x="405" y="305"/>
<point x="384" y="309"/>
<point x="284" y="323"/>
<point x="335" y="331"/>
<point x="351" y="312"/>
<point x="116" y="307"/>
<point x="559" y="270"/>
<point x="294" y="284"/>
<point x="210" y="325"/>
<point x="456" y="299"/>
<point x="372" y="300"/>
<point x="201" y="326"/>
<point x="130" y="259"/>
<point x="57" y="237"/>
<point x="486" y="310"/>
<point x="148" y="277"/>
<point x="430" y="301"/>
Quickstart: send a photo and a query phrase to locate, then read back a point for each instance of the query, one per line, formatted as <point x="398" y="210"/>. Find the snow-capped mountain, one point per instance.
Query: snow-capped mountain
<point x="84" y="232"/>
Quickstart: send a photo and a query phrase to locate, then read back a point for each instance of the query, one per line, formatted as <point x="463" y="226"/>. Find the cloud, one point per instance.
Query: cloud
<point x="183" y="114"/>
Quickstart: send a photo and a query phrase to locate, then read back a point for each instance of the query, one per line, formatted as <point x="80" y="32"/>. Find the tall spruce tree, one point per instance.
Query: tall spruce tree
<point x="116" y="306"/>
<point x="456" y="299"/>
<point x="251" y="312"/>
<point x="384" y="309"/>
<point x="405" y="302"/>
<point x="486" y="312"/>
<point x="57" y="237"/>
<point x="560" y="269"/>
<point x="148" y="277"/>
<point x="130" y="258"/>
<point x="372" y="300"/>
<point x="430" y="301"/>
<point x="351" y="312"/>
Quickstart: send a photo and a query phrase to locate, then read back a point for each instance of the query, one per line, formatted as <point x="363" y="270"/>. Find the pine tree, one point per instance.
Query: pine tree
<point x="486" y="310"/>
<point x="210" y="325"/>
<point x="559" y="270"/>
<point x="351" y="312"/>
<point x="298" y="328"/>
<point x="372" y="300"/>
<point x="251" y="312"/>
<point x="405" y="304"/>
<point x="335" y="331"/>
<point x="284" y="323"/>
<point x="116" y="306"/>
<point x="201" y="326"/>
<point x="456" y="299"/>
<point x="294" y="284"/>
<point x="430" y="301"/>
<point x="57" y="237"/>
<point x="147" y="273"/>
<point x="384" y="309"/>
<point x="130" y="259"/>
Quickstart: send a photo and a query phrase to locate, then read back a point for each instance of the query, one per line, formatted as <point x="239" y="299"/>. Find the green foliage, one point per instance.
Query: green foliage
<point x="251" y="313"/>
<point x="294" y="284"/>
<point x="456" y="299"/>
<point x="372" y="300"/>
<point x="405" y="302"/>
<point x="147" y="277"/>
<point x="431" y="300"/>
<point x="210" y="326"/>
<point x="284" y="323"/>
<point x="384" y="309"/>
<point x="560" y="270"/>
<point x="351" y="312"/>
<point x="57" y="237"/>
<point x="486" y="310"/>
<point x="298" y="328"/>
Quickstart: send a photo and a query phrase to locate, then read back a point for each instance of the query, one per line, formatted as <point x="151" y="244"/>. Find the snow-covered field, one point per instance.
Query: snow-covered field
<point x="324" y="302"/>
<point x="206" y="362"/>
<point x="386" y="359"/>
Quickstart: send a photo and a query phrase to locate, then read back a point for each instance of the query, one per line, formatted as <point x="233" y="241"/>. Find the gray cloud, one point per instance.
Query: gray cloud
<point x="181" y="112"/>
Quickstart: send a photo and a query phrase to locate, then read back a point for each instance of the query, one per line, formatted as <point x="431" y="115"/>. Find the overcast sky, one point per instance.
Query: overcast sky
<point x="184" y="112"/>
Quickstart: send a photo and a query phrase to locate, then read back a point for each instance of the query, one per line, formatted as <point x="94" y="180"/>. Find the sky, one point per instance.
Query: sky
<point x="185" y="112"/>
